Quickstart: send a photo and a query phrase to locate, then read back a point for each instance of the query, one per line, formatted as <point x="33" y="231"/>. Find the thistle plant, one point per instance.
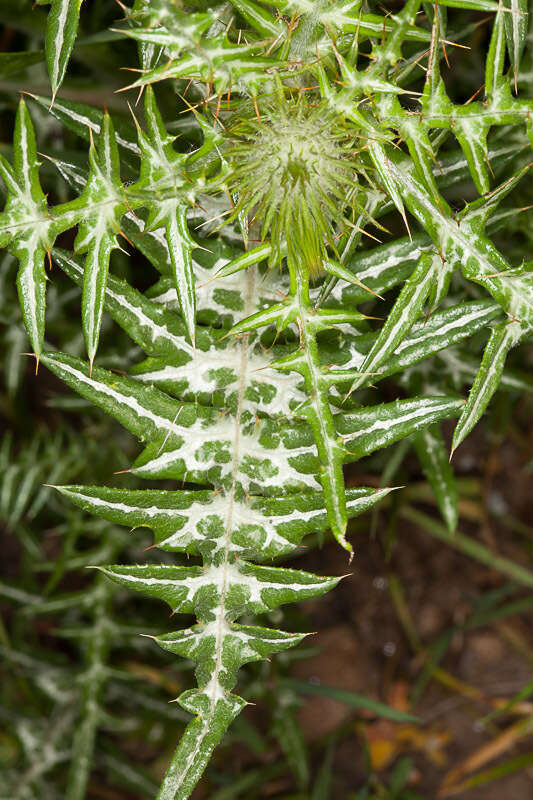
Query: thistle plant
<point x="305" y="133"/>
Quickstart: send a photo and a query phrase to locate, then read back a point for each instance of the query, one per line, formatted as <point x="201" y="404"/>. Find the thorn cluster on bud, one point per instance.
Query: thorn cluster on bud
<point x="292" y="168"/>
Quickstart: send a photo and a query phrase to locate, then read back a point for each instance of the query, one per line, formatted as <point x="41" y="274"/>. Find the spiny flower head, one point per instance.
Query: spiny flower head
<point x="292" y="169"/>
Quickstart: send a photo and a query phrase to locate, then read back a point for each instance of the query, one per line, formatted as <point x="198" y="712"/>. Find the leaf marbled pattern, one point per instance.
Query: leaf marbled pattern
<point x="261" y="358"/>
<point x="221" y="525"/>
<point x="244" y="461"/>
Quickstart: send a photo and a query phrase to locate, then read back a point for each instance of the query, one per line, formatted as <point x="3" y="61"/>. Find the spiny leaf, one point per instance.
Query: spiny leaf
<point x="438" y="334"/>
<point x="202" y="735"/>
<point x="86" y="121"/>
<point x="188" y="374"/>
<point x="242" y="644"/>
<point x="142" y="410"/>
<point x="25" y="225"/>
<point x="257" y="426"/>
<point x="516" y="27"/>
<point x="375" y="427"/>
<point x="433" y="456"/>
<point x="184" y="33"/>
<point x="157" y="331"/>
<point x="219" y="62"/>
<point x="196" y="590"/>
<point x="165" y="189"/>
<point x="102" y="204"/>
<point x="511" y="288"/>
<point x="61" y="29"/>
<point x="381" y="163"/>
<point x="192" y="522"/>
<point x="262" y="21"/>
<point x="503" y="337"/>
<point x="192" y="441"/>
<point x="405" y="311"/>
<point x="379" y="269"/>
<point x="465" y="245"/>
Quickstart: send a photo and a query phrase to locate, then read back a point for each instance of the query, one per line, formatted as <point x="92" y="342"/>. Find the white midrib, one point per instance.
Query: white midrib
<point x="220" y="612"/>
<point x="314" y="388"/>
<point x="60" y="38"/>
<point x="242" y="380"/>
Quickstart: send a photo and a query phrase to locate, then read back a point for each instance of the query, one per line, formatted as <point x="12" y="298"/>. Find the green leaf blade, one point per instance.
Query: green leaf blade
<point x="516" y="28"/>
<point x="433" y="456"/>
<point x="198" y="741"/>
<point x="404" y="313"/>
<point x="102" y="205"/>
<point x="503" y="337"/>
<point x="372" y="428"/>
<point x="61" y="30"/>
<point x="351" y="699"/>
<point x="26" y="227"/>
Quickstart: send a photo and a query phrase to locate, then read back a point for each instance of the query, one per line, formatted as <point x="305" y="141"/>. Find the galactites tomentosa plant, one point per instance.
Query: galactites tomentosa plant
<point x="303" y="127"/>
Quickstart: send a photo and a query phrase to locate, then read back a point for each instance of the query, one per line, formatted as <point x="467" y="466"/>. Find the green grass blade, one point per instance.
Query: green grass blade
<point x="470" y="547"/>
<point x="350" y="699"/>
